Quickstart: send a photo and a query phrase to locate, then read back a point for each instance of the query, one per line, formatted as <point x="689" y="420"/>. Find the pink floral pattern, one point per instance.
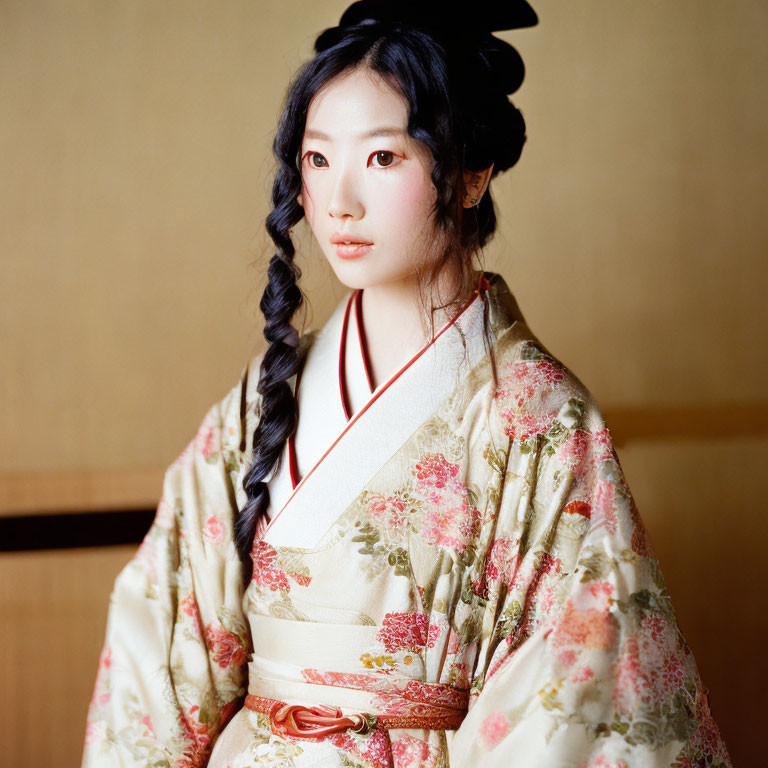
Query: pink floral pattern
<point x="214" y="530"/>
<point x="590" y="459"/>
<point x="410" y="752"/>
<point x="706" y="740"/>
<point x="208" y="441"/>
<point x="587" y="623"/>
<point x="407" y="632"/>
<point x="268" y="571"/>
<point x="573" y="451"/>
<point x="266" y="568"/>
<point x="641" y="543"/>
<point x="500" y="568"/>
<point x="374" y="750"/>
<point x="226" y="647"/>
<point x="603" y="509"/>
<point x="493" y="729"/>
<point x="651" y="667"/>
<point x="448" y="518"/>
<point x="197" y="737"/>
<point x="188" y="607"/>
<point x="389" y="511"/>
<point x="524" y="396"/>
<point x="433" y="471"/>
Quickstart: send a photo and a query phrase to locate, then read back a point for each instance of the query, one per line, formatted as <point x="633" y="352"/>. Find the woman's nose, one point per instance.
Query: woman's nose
<point x="345" y="197"/>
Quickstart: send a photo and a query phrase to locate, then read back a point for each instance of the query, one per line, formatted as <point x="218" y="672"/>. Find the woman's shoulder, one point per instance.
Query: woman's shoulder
<point x="536" y="392"/>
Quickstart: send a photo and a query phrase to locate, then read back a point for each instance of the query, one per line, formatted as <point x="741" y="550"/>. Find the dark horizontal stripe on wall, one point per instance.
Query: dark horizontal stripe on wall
<point x="70" y="530"/>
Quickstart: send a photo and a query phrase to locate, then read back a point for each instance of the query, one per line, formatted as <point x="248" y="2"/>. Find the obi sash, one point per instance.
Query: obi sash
<point x="317" y="697"/>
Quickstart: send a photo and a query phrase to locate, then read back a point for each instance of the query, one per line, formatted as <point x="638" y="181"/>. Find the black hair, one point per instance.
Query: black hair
<point x="457" y="107"/>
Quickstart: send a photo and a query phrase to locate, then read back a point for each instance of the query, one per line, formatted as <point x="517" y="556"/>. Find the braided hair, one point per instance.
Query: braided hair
<point x="455" y="75"/>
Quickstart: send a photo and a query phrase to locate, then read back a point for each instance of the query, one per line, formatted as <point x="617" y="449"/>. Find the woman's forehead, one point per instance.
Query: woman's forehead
<point x="359" y="104"/>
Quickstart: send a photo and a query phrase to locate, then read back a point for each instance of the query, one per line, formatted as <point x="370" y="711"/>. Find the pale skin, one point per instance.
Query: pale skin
<point x="376" y="189"/>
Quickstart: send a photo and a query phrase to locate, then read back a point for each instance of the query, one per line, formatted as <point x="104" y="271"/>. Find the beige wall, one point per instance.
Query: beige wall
<point x="135" y="171"/>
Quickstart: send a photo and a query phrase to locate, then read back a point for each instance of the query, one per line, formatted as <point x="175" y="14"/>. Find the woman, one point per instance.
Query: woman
<point x="440" y="562"/>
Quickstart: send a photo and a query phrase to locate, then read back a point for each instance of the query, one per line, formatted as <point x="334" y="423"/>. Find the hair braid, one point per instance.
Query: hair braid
<point x="278" y="414"/>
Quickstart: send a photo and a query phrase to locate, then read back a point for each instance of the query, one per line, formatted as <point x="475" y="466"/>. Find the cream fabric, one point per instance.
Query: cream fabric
<point x="472" y="527"/>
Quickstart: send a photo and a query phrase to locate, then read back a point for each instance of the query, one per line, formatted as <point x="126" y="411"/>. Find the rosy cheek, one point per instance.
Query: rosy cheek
<point x="413" y="197"/>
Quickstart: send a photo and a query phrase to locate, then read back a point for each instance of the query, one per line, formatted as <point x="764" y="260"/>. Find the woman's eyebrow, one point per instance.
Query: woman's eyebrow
<point x="385" y="130"/>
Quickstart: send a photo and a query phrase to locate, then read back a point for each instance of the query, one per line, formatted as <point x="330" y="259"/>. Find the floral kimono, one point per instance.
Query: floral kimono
<point x="452" y="559"/>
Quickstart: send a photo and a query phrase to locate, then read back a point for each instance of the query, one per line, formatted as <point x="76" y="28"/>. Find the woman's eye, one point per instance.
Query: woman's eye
<point x="315" y="154"/>
<point x="385" y="157"/>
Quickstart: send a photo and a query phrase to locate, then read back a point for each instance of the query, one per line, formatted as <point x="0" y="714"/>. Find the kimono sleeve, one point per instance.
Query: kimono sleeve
<point x="581" y="661"/>
<point x="173" y="666"/>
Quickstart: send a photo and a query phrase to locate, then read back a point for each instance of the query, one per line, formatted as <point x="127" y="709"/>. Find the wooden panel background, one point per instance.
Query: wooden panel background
<point x="136" y="168"/>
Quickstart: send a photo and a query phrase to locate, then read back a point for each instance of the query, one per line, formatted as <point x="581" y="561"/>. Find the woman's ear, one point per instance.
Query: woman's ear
<point x="299" y="200"/>
<point x="475" y="184"/>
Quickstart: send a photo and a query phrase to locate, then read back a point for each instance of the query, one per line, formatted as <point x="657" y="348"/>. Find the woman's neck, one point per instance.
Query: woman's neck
<point x="394" y="324"/>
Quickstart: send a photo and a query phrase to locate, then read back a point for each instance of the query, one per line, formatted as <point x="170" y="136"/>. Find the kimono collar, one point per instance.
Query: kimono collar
<point x="397" y="407"/>
<point x="355" y="300"/>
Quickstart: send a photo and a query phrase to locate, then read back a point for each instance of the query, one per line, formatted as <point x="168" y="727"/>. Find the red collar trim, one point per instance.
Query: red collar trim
<point x="481" y="291"/>
<point x="362" y="338"/>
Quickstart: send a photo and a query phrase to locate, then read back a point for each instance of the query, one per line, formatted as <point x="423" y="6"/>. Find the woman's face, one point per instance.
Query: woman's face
<point x="365" y="179"/>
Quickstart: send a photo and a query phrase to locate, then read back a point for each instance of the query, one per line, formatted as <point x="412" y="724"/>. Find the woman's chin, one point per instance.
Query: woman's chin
<point x="368" y="271"/>
<point x="355" y="273"/>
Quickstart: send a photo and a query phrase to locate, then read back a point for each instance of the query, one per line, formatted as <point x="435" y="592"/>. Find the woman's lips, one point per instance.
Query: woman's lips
<point x="353" y="250"/>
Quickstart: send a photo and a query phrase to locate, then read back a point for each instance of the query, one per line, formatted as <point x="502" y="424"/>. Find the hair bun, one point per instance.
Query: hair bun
<point x="466" y="30"/>
<point x="460" y="18"/>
